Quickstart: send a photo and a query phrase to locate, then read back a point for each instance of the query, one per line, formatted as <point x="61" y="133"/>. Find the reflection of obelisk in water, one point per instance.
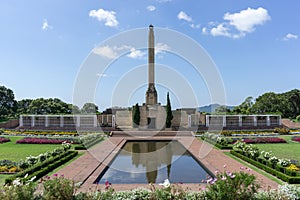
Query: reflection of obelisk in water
<point x="151" y="94"/>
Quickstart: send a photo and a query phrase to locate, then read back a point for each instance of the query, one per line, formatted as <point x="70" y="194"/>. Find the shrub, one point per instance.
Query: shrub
<point x="281" y="131"/>
<point x="296" y="138"/>
<point x="59" y="188"/>
<point x="227" y="185"/>
<point x="3" y="140"/>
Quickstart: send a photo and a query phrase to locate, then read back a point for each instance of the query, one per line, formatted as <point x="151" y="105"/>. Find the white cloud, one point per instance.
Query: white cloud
<point x="195" y="25"/>
<point x="183" y="16"/>
<point x="161" y="48"/>
<point x="246" y="20"/>
<point x="102" y="75"/>
<point x="290" y="36"/>
<point x="109" y="17"/>
<point x="136" y="54"/>
<point x="106" y="52"/>
<point x="238" y="24"/>
<point x="220" y="30"/>
<point x="151" y="8"/>
<point x="45" y="25"/>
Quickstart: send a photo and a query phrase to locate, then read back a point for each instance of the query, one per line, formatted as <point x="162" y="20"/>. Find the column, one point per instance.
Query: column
<point x="101" y="119"/>
<point x="95" y="121"/>
<point x="268" y="121"/>
<point x="78" y="120"/>
<point x="21" y="121"/>
<point x="113" y="121"/>
<point x="224" y="120"/>
<point x="255" y="120"/>
<point x="279" y="120"/>
<point x="61" y="121"/>
<point x="32" y="121"/>
<point x="240" y="120"/>
<point x="46" y="121"/>
<point x="189" y="121"/>
<point x="207" y="120"/>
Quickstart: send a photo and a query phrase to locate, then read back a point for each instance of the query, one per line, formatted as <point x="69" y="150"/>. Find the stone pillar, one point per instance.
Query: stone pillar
<point x="113" y="121"/>
<point x="21" y="121"/>
<point x="61" y="121"/>
<point x="32" y="121"/>
<point x="224" y="120"/>
<point x="46" y="121"/>
<point x="101" y="119"/>
<point x="268" y="121"/>
<point x="78" y="120"/>
<point x="255" y="120"/>
<point x="189" y="121"/>
<point x="279" y="120"/>
<point x="95" y="121"/>
<point x="240" y="120"/>
<point x="207" y="120"/>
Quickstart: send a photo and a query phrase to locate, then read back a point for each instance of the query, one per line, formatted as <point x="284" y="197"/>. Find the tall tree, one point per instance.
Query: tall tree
<point x="169" y="112"/>
<point x="89" y="108"/>
<point x="136" y="116"/>
<point x="8" y="104"/>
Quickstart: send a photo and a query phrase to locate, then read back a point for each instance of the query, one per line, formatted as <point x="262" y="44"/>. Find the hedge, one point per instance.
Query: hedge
<point x="219" y="146"/>
<point x="278" y="174"/>
<point x="89" y="144"/>
<point x="43" y="168"/>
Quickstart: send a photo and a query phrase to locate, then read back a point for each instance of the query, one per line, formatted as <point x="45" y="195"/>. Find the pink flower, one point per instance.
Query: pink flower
<point x="224" y="166"/>
<point x="217" y="172"/>
<point x="232" y="176"/>
<point x="242" y="168"/>
<point x="107" y="185"/>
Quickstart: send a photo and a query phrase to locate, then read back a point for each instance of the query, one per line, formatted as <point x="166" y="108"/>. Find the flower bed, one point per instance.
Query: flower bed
<point x="296" y="139"/>
<point x="282" y="168"/>
<point x="28" y="140"/>
<point x="3" y="140"/>
<point x="263" y="140"/>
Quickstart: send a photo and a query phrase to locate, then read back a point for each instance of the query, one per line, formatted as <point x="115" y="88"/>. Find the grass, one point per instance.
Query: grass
<point x="16" y="152"/>
<point x="289" y="150"/>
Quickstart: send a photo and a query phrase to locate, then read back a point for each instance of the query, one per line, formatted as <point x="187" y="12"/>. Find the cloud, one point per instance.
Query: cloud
<point x="195" y="25"/>
<point x="151" y="8"/>
<point x="106" y="52"/>
<point x="246" y="20"/>
<point x="45" y="25"/>
<point x="183" y="16"/>
<point x="290" y="36"/>
<point x="136" y="54"/>
<point x="102" y="75"/>
<point x="161" y="48"/>
<point x="109" y="17"/>
<point x="238" y="24"/>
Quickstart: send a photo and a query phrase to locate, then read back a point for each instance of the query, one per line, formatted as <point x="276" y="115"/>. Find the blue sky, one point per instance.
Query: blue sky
<point x="254" y="44"/>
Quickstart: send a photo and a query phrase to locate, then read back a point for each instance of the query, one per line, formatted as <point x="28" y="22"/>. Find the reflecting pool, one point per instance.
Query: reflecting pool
<point x="153" y="162"/>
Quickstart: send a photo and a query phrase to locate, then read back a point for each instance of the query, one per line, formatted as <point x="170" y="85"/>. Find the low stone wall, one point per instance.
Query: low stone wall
<point x="10" y="124"/>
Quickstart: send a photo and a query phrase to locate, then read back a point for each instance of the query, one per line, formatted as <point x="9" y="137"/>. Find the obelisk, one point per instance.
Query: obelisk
<point x="151" y="94"/>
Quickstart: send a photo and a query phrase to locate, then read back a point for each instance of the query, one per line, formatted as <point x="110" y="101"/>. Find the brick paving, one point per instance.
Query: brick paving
<point x="87" y="168"/>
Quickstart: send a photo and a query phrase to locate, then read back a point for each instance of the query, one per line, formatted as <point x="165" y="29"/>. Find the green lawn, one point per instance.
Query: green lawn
<point x="290" y="150"/>
<point x="16" y="152"/>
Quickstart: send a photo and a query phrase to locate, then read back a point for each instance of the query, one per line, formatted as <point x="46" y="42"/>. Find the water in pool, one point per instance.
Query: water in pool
<point x="153" y="162"/>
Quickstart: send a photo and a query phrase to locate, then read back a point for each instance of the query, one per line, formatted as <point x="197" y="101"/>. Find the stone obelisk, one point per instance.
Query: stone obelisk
<point x="151" y="94"/>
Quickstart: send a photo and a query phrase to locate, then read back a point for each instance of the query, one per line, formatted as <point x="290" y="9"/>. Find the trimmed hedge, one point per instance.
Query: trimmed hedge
<point x="88" y="144"/>
<point x="43" y="168"/>
<point x="219" y="146"/>
<point x="278" y="173"/>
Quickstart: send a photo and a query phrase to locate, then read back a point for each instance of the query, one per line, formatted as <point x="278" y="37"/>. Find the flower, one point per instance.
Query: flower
<point x="223" y="178"/>
<point x="166" y="183"/>
<point x="224" y="166"/>
<point x="107" y="185"/>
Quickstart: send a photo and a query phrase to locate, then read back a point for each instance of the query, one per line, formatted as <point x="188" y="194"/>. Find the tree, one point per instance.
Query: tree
<point x="136" y="115"/>
<point x="89" y="108"/>
<point x="245" y="107"/>
<point x="23" y="106"/>
<point x="8" y="104"/>
<point x="169" y="112"/>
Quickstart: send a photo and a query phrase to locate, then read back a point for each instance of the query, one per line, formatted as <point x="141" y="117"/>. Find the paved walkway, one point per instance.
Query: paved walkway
<point x="87" y="168"/>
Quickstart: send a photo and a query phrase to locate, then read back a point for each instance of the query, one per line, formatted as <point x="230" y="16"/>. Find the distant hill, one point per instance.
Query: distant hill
<point x="211" y="108"/>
